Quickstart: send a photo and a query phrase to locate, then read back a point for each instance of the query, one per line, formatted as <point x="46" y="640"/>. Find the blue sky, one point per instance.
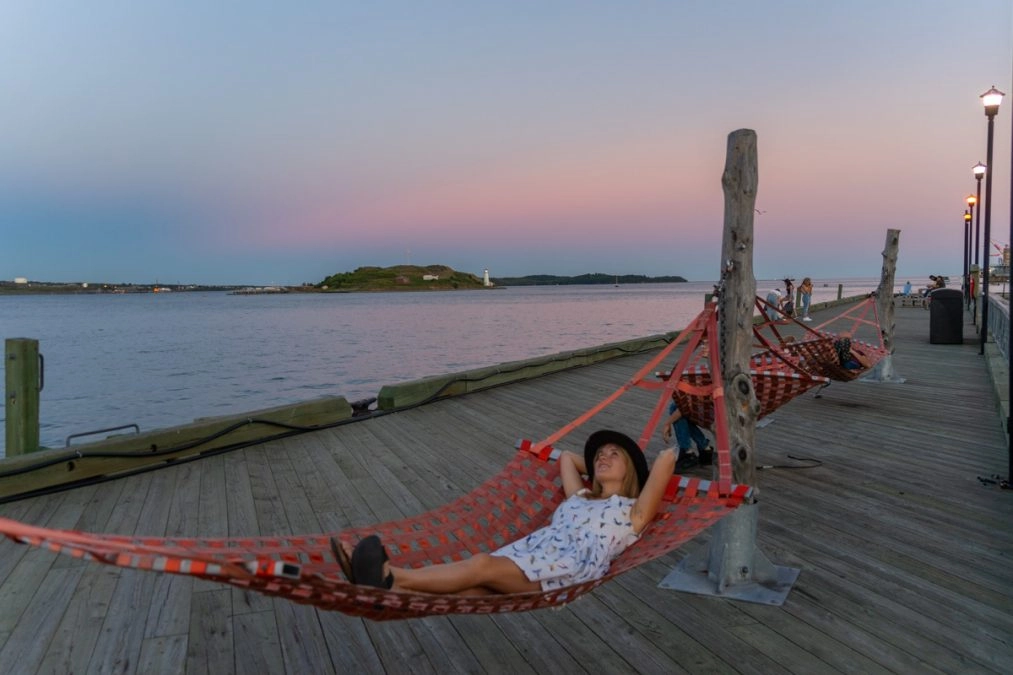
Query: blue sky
<point x="253" y="142"/>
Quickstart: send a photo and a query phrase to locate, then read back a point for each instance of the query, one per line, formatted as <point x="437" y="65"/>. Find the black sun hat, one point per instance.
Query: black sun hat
<point x="605" y="436"/>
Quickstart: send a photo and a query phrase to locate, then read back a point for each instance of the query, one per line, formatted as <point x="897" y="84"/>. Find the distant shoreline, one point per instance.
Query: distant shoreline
<point x="36" y="288"/>
<point x="399" y="278"/>
<point x="44" y="288"/>
<point x="85" y="288"/>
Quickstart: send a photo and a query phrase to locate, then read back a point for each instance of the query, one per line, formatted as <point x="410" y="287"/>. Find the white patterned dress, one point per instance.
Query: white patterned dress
<point x="584" y="537"/>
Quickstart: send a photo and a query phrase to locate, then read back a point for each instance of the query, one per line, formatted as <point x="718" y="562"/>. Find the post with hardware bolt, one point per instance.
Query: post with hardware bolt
<point x="733" y="566"/>
<point x="22" y="375"/>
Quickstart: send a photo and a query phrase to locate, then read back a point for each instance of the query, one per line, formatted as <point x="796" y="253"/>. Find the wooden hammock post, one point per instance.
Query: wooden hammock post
<point x="736" y="302"/>
<point x="883" y="371"/>
<point x="734" y="567"/>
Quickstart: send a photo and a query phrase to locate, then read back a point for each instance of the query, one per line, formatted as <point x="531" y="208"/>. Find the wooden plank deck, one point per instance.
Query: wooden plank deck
<point x="904" y="554"/>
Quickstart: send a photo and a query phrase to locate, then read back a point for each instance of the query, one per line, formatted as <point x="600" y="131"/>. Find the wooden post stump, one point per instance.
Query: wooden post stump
<point x="885" y="305"/>
<point x="22" y="375"/>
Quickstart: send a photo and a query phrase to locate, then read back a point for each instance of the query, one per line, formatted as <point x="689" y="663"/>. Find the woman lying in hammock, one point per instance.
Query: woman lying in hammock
<point x="588" y="530"/>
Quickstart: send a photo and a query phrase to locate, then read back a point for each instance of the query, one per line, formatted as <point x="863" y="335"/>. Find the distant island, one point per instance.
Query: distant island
<point x="441" y="277"/>
<point x="400" y="278"/>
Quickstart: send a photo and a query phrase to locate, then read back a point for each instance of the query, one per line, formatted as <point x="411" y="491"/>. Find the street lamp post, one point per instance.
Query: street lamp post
<point x="967" y="250"/>
<point x="991" y="100"/>
<point x="971" y="202"/>
<point x="979" y="170"/>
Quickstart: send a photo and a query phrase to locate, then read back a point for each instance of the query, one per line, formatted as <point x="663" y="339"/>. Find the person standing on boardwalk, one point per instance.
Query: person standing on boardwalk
<point x="789" y="297"/>
<point x="774" y="300"/>
<point x="806" y="289"/>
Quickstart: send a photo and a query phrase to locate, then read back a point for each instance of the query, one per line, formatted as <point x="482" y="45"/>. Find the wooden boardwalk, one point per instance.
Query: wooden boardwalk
<point x="905" y="556"/>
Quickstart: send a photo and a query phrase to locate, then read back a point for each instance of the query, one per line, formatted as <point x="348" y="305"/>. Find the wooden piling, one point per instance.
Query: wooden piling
<point x="885" y="306"/>
<point x="22" y="375"/>
<point x="733" y="565"/>
<point x="736" y="301"/>
<point x="884" y="294"/>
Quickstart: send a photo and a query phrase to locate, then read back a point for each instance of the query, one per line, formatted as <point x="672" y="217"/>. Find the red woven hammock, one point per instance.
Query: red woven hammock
<point x="302" y="569"/>
<point x="814" y="351"/>
<point x="515" y="502"/>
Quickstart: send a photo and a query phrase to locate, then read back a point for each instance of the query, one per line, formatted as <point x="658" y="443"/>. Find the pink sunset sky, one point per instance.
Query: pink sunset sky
<point x="260" y="143"/>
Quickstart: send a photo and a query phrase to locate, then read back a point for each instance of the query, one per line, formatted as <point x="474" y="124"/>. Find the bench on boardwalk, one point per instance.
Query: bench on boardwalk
<point x="911" y="301"/>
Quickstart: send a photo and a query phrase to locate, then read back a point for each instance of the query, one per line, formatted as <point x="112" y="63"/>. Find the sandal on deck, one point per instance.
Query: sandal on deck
<point x="339" y="554"/>
<point x="367" y="563"/>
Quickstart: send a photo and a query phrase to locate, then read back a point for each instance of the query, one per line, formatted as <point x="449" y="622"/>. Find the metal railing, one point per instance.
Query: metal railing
<point x="998" y="323"/>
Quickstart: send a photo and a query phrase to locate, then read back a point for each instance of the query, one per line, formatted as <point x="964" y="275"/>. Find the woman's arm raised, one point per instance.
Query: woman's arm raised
<point x="571" y="472"/>
<point x="647" y="503"/>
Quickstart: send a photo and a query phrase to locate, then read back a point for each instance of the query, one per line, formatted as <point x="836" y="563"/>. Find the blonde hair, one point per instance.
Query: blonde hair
<point x="630" y="487"/>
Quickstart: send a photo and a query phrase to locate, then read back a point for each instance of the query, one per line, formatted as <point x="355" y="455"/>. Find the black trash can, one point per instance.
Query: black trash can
<point x="946" y="317"/>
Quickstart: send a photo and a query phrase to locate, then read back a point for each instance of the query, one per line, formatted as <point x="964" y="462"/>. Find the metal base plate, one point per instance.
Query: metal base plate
<point x="772" y="593"/>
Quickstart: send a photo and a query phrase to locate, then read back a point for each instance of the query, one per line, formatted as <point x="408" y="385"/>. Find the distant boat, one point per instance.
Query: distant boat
<point x="617" y="281"/>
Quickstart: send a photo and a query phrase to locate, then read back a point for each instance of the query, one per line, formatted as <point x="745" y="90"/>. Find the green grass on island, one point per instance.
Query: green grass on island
<point x="400" y="278"/>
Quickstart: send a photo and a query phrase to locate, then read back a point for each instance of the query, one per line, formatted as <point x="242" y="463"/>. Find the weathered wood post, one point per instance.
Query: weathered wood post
<point x="736" y="303"/>
<point x="883" y="371"/>
<point x="734" y="567"/>
<point x="23" y="383"/>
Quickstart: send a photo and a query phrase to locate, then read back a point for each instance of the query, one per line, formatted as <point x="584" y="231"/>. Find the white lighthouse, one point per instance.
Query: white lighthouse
<point x="485" y="279"/>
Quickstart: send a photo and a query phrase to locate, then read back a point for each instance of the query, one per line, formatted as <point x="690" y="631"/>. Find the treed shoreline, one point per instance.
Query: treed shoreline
<point x="363" y="279"/>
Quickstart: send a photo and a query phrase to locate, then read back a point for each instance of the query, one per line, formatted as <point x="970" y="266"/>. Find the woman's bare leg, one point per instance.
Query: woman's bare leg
<point x="479" y="573"/>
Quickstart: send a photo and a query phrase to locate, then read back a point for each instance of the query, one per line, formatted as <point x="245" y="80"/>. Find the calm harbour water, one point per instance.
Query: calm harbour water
<point x="159" y="360"/>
